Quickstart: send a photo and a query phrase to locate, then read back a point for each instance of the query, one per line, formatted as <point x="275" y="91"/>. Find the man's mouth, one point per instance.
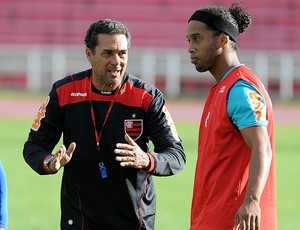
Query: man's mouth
<point x="193" y="60"/>
<point x="114" y="71"/>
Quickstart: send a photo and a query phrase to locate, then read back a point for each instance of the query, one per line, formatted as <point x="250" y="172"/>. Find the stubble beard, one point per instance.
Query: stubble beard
<point x="201" y="68"/>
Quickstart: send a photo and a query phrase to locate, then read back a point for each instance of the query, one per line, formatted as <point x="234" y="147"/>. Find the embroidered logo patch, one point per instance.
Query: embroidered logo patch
<point x="134" y="128"/>
<point x="257" y="104"/>
<point x="40" y="115"/>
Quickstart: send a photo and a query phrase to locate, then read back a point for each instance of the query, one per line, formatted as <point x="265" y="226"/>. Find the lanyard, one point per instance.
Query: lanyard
<point x="98" y="135"/>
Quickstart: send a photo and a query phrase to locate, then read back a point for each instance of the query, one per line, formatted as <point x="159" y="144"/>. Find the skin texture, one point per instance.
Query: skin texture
<point x="248" y="215"/>
<point x="109" y="62"/>
<point x="209" y="52"/>
<point x="131" y="154"/>
<point x="212" y="53"/>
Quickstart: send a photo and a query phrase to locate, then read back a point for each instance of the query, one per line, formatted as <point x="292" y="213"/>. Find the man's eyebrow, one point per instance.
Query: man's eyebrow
<point x="113" y="50"/>
<point x="193" y="34"/>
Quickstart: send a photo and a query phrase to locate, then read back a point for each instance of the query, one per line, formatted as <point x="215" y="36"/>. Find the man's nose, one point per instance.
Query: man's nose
<point x="116" y="59"/>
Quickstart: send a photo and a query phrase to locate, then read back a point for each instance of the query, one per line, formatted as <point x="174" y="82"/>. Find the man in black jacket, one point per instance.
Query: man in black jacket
<point x="107" y="117"/>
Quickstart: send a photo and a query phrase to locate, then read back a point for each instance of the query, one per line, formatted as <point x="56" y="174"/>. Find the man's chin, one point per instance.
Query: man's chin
<point x="200" y="69"/>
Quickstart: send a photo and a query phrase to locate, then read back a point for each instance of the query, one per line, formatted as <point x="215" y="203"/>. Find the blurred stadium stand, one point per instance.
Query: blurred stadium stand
<point x="42" y="40"/>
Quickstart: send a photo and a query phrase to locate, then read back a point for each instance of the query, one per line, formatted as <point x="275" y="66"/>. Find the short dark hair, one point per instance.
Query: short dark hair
<point x="105" y="26"/>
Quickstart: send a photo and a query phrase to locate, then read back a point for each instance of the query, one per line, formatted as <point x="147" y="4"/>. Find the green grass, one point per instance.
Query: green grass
<point x="34" y="199"/>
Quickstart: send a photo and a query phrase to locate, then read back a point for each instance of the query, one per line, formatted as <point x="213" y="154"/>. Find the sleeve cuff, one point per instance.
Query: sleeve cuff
<point x="45" y="166"/>
<point x="151" y="163"/>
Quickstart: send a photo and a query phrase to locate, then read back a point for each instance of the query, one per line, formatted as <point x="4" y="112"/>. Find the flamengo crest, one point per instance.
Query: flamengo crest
<point x="133" y="127"/>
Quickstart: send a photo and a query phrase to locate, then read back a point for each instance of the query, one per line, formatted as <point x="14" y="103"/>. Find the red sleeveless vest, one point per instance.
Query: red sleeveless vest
<point x="222" y="168"/>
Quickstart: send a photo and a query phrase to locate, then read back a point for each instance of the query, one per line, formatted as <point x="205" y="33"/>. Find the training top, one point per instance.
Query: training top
<point x="3" y="199"/>
<point x="96" y="192"/>
<point x="222" y="169"/>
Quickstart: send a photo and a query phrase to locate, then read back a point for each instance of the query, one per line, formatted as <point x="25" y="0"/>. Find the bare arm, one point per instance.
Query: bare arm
<point x="248" y="215"/>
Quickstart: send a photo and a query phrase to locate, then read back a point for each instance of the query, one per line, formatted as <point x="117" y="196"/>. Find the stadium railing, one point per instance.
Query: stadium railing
<point x="35" y="68"/>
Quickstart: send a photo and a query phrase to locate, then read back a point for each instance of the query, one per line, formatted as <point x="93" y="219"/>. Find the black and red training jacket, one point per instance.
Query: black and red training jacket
<point x="125" y="199"/>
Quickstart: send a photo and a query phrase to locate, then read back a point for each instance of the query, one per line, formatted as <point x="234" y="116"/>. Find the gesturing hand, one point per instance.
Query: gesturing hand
<point x="62" y="157"/>
<point x="131" y="154"/>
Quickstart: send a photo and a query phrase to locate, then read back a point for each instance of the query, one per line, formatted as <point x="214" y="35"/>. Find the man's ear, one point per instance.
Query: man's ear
<point x="224" y="40"/>
<point x="88" y="54"/>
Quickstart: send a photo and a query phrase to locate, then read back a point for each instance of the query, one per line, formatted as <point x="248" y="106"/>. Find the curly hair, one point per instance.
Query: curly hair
<point x="236" y="15"/>
<point x="105" y="26"/>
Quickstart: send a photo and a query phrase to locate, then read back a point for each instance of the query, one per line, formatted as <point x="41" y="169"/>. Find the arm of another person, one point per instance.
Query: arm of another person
<point x="3" y="200"/>
<point x="168" y="152"/>
<point x="249" y="214"/>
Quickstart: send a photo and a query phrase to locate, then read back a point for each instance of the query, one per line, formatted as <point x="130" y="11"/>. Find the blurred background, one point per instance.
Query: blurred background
<point x="42" y="41"/>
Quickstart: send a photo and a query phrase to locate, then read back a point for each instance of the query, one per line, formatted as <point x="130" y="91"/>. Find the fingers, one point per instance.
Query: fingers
<point x="62" y="157"/>
<point x="55" y="164"/>
<point x="128" y="157"/>
<point x="129" y="140"/>
<point x="128" y="161"/>
<point x="131" y="154"/>
<point x="139" y="160"/>
<point x="250" y="223"/>
<point x="60" y="153"/>
<point x="124" y="150"/>
<point x="236" y="223"/>
<point x="129" y="149"/>
<point x="62" y="150"/>
<point x="71" y="149"/>
<point x="257" y="223"/>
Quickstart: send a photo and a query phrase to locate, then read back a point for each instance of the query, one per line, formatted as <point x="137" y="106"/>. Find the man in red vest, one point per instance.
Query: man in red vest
<point x="234" y="185"/>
